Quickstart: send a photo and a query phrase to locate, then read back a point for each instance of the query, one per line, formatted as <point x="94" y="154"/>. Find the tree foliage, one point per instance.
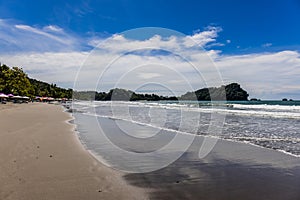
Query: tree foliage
<point x="118" y="94"/>
<point x="230" y="92"/>
<point x="15" y="81"/>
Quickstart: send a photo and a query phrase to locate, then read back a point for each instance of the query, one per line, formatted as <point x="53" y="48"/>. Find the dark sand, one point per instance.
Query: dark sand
<point x="232" y="171"/>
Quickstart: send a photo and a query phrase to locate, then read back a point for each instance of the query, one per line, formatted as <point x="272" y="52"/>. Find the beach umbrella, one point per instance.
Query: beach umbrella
<point x="10" y="95"/>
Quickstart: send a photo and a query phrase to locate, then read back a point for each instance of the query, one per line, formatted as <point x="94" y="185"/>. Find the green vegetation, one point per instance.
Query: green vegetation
<point x="49" y="90"/>
<point x="118" y="94"/>
<point x="232" y="92"/>
<point x="15" y="81"/>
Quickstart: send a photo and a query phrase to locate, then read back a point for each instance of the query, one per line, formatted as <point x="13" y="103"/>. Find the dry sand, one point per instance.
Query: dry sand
<point x="41" y="158"/>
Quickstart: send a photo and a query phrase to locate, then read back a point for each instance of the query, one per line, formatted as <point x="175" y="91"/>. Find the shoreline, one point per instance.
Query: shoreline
<point x="82" y="145"/>
<point x="231" y="171"/>
<point x="40" y="158"/>
<point x="205" y="136"/>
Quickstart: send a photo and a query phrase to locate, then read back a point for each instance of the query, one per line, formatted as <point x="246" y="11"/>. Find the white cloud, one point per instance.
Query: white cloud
<point x="53" y="28"/>
<point x="23" y="38"/>
<point x="267" y="45"/>
<point x="264" y="75"/>
<point x="94" y="42"/>
<point x="177" y="62"/>
<point x="215" y="44"/>
<point x="43" y="33"/>
<point x="148" y="75"/>
<point x="59" y="68"/>
<point x="204" y="37"/>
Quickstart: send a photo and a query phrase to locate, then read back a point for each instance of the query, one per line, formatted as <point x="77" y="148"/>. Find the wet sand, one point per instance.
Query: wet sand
<point x="231" y="171"/>
<point x="41" y="158"/>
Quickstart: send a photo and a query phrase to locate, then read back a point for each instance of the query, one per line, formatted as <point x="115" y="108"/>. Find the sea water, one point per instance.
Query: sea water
<point x="269" y="124"/>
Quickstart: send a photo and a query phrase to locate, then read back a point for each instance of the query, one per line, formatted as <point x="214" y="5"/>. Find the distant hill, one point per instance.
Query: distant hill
<point x="230" y="92"/>
<point x="15" y="81"/>
<point x="118" y="94"/>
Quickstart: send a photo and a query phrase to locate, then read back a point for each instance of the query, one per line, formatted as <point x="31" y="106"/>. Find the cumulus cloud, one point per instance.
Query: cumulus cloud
<point x="53" y="67"/>
<point x="265" y="75"/>
<point x="162" y="59"/>
<point x="202" y="38"/>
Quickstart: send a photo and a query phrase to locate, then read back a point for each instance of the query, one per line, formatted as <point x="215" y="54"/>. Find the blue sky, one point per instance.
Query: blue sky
<point x="264" y="35"/>
<point x="248" y="24"/>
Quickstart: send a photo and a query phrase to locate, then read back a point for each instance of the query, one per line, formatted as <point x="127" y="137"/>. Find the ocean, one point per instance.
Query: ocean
<point x="143" y="127"/>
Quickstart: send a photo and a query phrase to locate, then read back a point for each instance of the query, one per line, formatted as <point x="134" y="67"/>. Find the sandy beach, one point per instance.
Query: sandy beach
<point x="41" y="158"/>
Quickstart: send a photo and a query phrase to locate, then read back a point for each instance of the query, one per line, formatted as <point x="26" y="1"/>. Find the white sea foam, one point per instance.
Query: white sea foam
<point x="267" y="139"/>
<point x="268" y="107"/>
<point x="234" y="138"/>
<point x="274" y="111"/>
<point x="280" y="137"/>
<point x="288" y="153"/>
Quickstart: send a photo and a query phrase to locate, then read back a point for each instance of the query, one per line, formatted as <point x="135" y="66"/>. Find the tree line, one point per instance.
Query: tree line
<point x="119" y="94"/>
<point x="15" y="81"/>
<point x="230" y="92"/>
